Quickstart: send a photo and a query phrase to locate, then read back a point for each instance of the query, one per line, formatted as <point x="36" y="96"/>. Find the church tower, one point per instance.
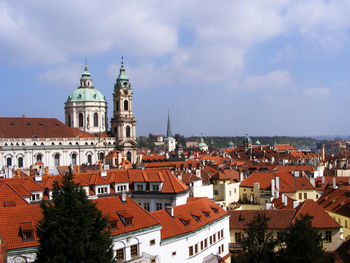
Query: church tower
<point x="123" y="123"/>
<point x="86" y="107"/>
<point x="169" y="141"/>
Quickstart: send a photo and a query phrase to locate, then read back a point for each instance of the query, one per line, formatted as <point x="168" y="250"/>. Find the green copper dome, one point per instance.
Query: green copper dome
<point x="86" y="94"/>
<point x="202" y="143"/>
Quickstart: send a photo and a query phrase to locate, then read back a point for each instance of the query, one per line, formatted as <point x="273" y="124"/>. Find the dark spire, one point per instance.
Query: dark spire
<point x="168" y="130"/>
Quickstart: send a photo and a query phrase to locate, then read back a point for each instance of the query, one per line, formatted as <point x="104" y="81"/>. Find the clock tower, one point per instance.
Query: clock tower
<point x="123" y="123"/>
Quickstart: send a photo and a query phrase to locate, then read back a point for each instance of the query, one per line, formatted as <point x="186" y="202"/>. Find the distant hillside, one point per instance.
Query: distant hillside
<point x="223" y="142"/>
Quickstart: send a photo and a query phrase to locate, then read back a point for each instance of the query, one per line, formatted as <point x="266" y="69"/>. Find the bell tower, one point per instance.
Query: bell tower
<point x="123" y="123"/>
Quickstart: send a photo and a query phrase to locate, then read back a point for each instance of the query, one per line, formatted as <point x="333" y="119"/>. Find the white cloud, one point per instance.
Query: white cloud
<point x="320" y="92"/>
<point x="275" y="80"/>
<point x="65" y="76"/>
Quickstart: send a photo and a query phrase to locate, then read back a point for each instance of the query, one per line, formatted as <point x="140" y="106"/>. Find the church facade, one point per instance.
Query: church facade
<point x="83" y="139"/>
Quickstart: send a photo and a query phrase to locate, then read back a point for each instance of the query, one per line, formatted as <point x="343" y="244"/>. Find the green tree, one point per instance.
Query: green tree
<point x="258" y="244"/>
<point x="303" y="243"/>
<point x="72" y="228"/>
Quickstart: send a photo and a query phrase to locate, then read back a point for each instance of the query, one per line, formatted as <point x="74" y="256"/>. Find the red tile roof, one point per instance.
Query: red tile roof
<point x="12" y="219"/>
<point x="278" y="219"/>
<point x="320" y="218"/>
<point x="336" y="201"/>
<point x="172" y="226"/>
<point x="226" y="175"/>
<point x="23" y="127"/>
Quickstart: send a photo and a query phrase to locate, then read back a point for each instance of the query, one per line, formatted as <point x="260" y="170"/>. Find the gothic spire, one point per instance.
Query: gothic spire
<point x="168" y="131"/>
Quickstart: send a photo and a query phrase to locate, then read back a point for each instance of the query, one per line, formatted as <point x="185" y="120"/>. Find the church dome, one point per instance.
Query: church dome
<point x="247" y="140"/>
<point x="202" y="143"/>
<point x="86" y="94"/>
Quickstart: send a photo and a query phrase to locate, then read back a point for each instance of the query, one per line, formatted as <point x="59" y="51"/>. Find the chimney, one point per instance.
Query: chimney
<point x="278" y="183"/>
<point x="123" y="197"/>
<point x="241" y="176"/>
<point x="170" y="210"/>
<point x="103" y="173"/>
<point x="285" y="201"/>
<point x="323" y="180"/>
<point x="78" y="169"/>
<point x="295" y="204"/>
<point x="272" y="159"/>
<point x="312" y="181"/>
<point x="46" y="170"/>
<point x="273" y="187"/>
<point x="334" y="183"/>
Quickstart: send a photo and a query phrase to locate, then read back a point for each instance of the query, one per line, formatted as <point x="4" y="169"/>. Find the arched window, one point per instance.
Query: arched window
<point x="57" y="159"/>
<point x="68" y="120"/>
<point x="39" y="158"/>
<point x="20" y="162"/>
<point x="117" y="105"/>
<point x="81" y="120"/>
<point x="89" y="159"/>
<point x="128" y="156"/>
<point x="126" y="105"/>
<point x="101" y="156"/>
<point x="95" y="119"/>
<point x="74" y="159"/>
<point x="127" y="131"/>
<point x="9" y="162"/>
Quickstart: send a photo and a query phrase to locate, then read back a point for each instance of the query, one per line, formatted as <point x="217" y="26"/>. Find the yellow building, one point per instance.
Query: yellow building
<point x="336" y="202"/>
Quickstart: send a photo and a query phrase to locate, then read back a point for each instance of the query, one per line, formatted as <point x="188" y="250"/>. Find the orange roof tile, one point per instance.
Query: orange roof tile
<point x="173" y="226"/>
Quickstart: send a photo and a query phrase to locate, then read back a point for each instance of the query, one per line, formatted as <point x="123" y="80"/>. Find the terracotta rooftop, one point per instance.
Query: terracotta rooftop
<point x="336" y="201"/>
<point x="24" y="127"/>
<point x="183" y="220"/>
<point x="278" y="219"/>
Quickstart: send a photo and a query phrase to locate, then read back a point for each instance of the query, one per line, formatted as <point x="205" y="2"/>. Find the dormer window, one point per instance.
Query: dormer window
<point x="102" y="190"/>
<point x="206" y="213"/>
<point x="35" y="197"/>
<point x="126" y="218"/>
<point x="27" y="231"/>
<point x="185" y="220"/>
<point x="196" y="217"/>
<point x="215" y="209"/>
<point x="112" y="221"/>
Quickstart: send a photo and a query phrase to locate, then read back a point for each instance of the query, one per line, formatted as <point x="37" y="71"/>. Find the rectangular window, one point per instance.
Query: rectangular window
<point x="121" y="188"/>
<point x="205" y="243"/>
<point x="305" y="195"/>
<point x="222" y="248"/>
<point x="159" y="206"/>
<point x="146" y="206"/>
<point x="155" y="187"/>
<point x="28" y="235"/>
<point x="35" y="197"/>
<point x="328" y="237"/>
<point x="173" y="254"/>
<point x="120" y="254"/>
<point x="196" y="248"/>
<point x="139" y="187"/>
<point x="214" y="238"/>
<point x="300" y="196"/>
<point x="190" y="251"/>
<point x="210" y="240"/>
<point x="222" y="233"/>
<point x="134" y="251"/>
<point x="238" y="237"/>
<point x="152" y="242"/>
<point x="219" y="235"/>
<point x="202" y="245"/>
<point x="230" y="193"/>
<point x="102" y="190"/>
<point x="167" y="204"/>
<point x="346" y="223"/>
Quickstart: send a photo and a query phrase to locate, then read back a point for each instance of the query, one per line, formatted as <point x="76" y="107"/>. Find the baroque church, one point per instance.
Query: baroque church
<point x="82" y="139"/>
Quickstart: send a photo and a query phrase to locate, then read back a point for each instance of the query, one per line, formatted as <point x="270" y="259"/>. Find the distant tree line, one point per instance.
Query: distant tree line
<point x="219" y="142"/>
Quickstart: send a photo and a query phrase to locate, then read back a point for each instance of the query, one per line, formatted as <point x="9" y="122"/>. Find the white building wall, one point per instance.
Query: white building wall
<point x="143" y="239"/>
<point x="203" y="191"/>
<point x="48" y="147"/>
<point x="181" y="244"/>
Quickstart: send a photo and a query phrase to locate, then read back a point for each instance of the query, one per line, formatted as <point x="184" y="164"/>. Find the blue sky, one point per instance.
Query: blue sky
<point x="221" y="68"/>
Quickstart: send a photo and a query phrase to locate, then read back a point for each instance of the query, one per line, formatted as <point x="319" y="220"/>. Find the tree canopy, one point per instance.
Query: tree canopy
<point x="72" y="228"/>
<point x="297" y="244"/>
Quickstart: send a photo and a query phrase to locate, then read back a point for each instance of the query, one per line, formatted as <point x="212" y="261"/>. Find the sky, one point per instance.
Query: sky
<point x="221" y="68"/>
